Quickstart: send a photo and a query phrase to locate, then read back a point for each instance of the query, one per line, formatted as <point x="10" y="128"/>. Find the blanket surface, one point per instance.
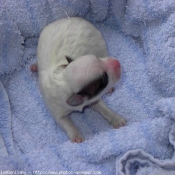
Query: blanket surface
<point x="141" y="35"/>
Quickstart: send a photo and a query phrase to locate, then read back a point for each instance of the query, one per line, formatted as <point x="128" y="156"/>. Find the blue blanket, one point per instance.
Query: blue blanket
<point x="141" y="34"/>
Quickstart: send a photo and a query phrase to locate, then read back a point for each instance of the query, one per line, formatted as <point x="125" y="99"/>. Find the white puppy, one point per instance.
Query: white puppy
<point x="74" y="71"/>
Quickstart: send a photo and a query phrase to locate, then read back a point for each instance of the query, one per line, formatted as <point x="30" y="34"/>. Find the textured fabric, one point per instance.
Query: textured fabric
<point x="141" y="35"/>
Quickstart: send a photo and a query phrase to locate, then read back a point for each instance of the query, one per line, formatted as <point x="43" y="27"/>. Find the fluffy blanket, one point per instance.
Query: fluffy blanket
<point x="141" y="34"/>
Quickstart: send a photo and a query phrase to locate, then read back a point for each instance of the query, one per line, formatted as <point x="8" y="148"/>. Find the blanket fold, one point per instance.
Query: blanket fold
<point x="5" y="124"/>
<point x="142" y="163"/>
<point x="140" y="34"/>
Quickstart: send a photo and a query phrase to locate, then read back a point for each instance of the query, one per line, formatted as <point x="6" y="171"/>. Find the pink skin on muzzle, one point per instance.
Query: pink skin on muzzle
<point x="114" y="66"/>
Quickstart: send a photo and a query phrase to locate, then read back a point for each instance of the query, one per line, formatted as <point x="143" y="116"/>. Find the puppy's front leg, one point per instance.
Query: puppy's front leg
<point x="108" y="114"/>
<point x="72" y="131"/>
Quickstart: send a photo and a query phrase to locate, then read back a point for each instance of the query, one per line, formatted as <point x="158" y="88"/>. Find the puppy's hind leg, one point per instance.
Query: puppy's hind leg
<point x="114" y="119"/>
<point x="34" y="67"/>
<point x="72" y="131"/>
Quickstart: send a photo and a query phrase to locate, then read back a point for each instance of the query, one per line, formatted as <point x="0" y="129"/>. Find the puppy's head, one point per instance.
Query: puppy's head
<point x="89" y="77"/>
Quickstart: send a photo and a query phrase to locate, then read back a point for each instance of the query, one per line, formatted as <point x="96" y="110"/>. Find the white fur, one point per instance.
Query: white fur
<point x="58" y="80"/>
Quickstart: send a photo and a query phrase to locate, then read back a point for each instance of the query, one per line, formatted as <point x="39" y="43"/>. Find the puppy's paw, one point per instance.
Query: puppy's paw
<point x="118" y="122"/>
<point x="76" y="137"/>
<point x="77" y="140"/>
<point x="110" y="91"/>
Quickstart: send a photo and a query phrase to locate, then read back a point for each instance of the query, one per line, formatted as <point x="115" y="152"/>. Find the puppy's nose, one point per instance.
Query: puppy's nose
<point x="113" y="63"/>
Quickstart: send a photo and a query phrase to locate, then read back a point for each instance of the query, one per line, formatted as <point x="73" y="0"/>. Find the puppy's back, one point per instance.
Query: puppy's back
<point x="73" y="37"/>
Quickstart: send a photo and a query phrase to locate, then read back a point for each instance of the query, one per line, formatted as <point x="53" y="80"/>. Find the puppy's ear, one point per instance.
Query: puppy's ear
<point x="69" y="59"/>
<point x="75" y="100"/>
